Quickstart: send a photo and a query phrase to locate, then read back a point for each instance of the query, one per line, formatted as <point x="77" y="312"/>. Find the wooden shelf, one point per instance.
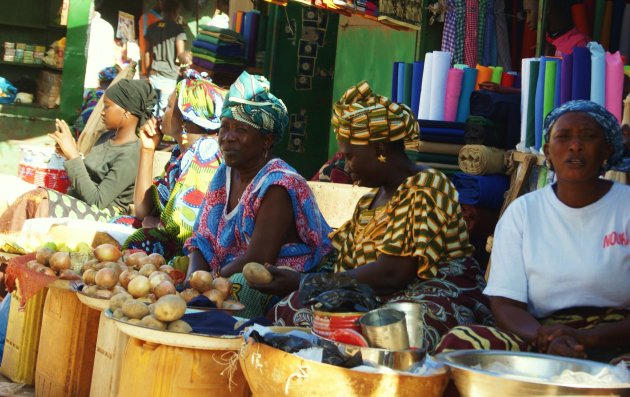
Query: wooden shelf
<point x="28" y="65"/>
<point x="24" y="25"/>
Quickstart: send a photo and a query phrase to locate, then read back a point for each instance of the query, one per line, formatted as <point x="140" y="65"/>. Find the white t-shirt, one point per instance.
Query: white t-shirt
<point x="554" y="257"/>
<point x="101" y="50"/>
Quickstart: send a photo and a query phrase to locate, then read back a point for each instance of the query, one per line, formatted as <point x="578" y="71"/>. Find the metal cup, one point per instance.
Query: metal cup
<point x="385" y="328"/>
<point x="413" y="319"/>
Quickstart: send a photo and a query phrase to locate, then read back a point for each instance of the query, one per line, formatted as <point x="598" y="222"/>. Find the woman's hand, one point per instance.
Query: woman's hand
<point x="284" y="282"/>
<point x="65" y="141"/>
<point x="547" y="333"/>
<point x="150" y="136"/>
<point x="566" y="346"/>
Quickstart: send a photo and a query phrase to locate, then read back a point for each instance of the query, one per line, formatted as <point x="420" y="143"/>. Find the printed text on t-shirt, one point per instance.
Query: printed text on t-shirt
<point x="615" y="238"/>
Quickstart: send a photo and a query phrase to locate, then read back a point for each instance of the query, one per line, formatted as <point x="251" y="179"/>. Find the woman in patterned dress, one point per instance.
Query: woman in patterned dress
<point x="407" y="238"/>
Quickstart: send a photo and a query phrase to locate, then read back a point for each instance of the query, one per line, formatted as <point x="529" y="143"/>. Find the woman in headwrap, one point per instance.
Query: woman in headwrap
<point x="561" y="255"/>
<point x="258" y="208"/>
<point x="407" y="238"/>
<point x="166" y="207"/>
<point x="102" y="182"/>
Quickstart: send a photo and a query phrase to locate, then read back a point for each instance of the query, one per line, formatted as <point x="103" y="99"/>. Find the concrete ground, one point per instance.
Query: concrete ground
<point x="8" y="388"/>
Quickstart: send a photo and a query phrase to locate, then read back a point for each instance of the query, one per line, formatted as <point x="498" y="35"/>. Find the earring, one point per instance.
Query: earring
<point x="548" y="164"/>
<point x="382" y="158"/>
<point x="184" y="137"/>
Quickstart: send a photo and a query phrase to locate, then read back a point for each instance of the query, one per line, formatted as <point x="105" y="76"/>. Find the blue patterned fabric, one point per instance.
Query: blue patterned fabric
<point x="608" y="122"/>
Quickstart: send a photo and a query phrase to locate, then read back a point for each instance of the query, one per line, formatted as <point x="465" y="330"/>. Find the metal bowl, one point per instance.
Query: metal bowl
<point x="529" y="375"/>
<point x="401" y="360"/>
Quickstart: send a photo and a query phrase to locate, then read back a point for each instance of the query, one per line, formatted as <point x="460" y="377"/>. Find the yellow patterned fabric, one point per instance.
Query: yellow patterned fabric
<point x="361" y="117"/>
<point x="423" y="219"/>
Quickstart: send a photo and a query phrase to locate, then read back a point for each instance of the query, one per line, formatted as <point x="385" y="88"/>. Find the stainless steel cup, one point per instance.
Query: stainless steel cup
<point x="385" y="328"/>
<point x="413" y="319"/>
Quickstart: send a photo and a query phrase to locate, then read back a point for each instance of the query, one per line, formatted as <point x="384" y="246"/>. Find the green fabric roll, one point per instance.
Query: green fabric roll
<point x="550" y="88"/>
<point x="432" y="158"/>
<point x="209" y="56"/>
<point x="599" y="19"/>
<point x="530" y="135"/>
<point x="497" y="72"/>
<point x="408" y="76"/>
<point x="460" y="66"/>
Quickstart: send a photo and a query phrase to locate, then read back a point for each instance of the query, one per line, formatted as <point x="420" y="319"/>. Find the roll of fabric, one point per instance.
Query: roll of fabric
<point x="598" y="73"/>
<point x="557" y="91"/>
<point x="425" y="94"/>
<point x="408" y="76"/>
<point x="497" y="72"/>
<point x="489" y="44"/>
<point x="540" y="101"/>
<point x="507" y="80"/>
<point x="447" y="125"/>
<point x="453" y="91"/>
<point x="250" y="30"/>
<point x="525" y="92"/>
<point x="624" y="40"/>
<point x="481" y="160"/>
<point x="481" y="131"/>
<point x="550" y="89"/>
<point x="566" y="78"/>
<point x="441" y="166"/>
<point x="484" y="74"/>
<point x="460" y="66"/>
<point x="581" y="77"/>
<point x="468" y="86"/>
<point x="400" y="90"/>
<point x="617" y="20"/>
<point x="503" y="109"/>
<point x="230" y="51"/>
<point x="439" y="75"/>
<point x="598" y="19"/>
<point x="503" y="38"/>
<point x="607" y="24"/>
<point x="481" y="190"/>
<point x="438" y="148"/>
<point x="530" y="134"/>
<point x="471" y="33"/>
<point x="416" y="86"/>
<point x="614" y="84"/>
<point x="395" y="81"/>
<point x="436" y="158"/>
<point x="580" y="18"/>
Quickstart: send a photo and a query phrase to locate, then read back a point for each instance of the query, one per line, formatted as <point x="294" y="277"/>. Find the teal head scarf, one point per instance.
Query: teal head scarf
<point x="250" y="102"/>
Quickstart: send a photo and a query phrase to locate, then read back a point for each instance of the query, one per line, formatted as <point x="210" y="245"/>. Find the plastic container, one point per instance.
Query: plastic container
<point x="154" y="370"/>
<point x="325" y="323"/>
<point x="66" y="348"/>
<point x="23" y="331"/>
<point x="42" y="166"/>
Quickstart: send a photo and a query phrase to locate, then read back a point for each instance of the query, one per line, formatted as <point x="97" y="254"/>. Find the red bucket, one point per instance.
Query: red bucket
<point x="324" y="323"/>
<point x="42" y="166"/>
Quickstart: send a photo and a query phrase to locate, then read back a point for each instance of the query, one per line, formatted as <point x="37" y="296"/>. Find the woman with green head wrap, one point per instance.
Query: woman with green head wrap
<point x="167" y="206"/>
<point x="102" y="181"/>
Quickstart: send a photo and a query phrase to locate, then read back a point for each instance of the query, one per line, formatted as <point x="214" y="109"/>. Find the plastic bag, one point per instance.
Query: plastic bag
<point x="7" y="91"/>
<point x="336" y="292"/>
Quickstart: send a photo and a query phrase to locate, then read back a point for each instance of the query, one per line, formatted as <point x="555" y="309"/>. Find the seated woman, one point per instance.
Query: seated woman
<point x="258" y="208"/>
<point x="102" y="182"/>
<point x="561" y="255"/>
<point x="166" y="207"/>
<point x="407" y="238"/>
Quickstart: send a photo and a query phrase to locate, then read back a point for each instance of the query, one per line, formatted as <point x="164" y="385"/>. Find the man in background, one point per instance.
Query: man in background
<point x="101" y="48"/>
<point x="146" y="20"/>
<point x="164" y="42"/>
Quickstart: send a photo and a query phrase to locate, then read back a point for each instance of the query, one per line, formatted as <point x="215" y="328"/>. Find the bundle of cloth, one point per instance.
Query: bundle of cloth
<point x="219" y="50"/>
<point x="503" y="110"/>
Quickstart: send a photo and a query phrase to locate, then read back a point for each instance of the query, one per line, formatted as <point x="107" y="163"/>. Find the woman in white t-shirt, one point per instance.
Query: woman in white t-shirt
<point x="560" y="276"/>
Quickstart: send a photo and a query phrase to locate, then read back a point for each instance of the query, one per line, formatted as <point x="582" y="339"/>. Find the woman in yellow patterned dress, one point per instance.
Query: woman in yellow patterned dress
<point x="407" y="238"/>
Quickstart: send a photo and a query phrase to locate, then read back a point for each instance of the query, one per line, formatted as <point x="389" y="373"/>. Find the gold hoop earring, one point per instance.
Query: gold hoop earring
<point x="382" y="159"/>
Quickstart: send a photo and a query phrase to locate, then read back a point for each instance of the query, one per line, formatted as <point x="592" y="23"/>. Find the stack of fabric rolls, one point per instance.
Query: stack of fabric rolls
<point x="438" y="145"/>
<point x="219" y="51"/>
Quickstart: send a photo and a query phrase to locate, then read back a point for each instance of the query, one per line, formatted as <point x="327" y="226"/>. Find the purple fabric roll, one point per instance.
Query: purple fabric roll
<point x="566" y="78"/>
<point x="220" y="68"/>
<point x="581" y="75"/>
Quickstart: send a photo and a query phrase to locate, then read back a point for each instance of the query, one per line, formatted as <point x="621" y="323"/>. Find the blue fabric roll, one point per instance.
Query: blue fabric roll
<point x="540" y="100"/>
<point x="453" y="125"/>
<point x="401" y="82"/>
<point x="250" y="23"/>
<point x="503" y="109"/>
<point x="566" y="78"/>
<point x="442" y="138"/>
<point x="581" y="76"/>
<point x="615" y="29"/>
<point x="468" y="86"/>
<point x="416" y="86"/>
<point x="598" y="73"/>
<point x="558" y="89"/>
<point x="232" y="50"/>
<point x="490" y="37"/>
<point x="395" y="82"/>
<point x="481" y="190"/>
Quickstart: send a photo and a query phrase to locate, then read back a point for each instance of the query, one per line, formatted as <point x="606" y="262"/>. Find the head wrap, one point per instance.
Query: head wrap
<point x="108" y="74"/>
<point x="250" y="102"/>
<point x="135" y="96"/>
<point x="362" y="117"/>
<point x="200" y="101"/>
<point x="608" y="122"/>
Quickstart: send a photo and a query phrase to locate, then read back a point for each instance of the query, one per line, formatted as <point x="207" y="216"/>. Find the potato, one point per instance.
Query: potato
<point x="170" y="308"/>
<point x="216" y="297"/>
<point x="180" y="326"/>
<point x="117" y="300"/>
<point x="153" y="323"/>
<point x="90" y="290"/>
<point x="256" y="273"/>
<point x="118" y="314"/>
<point x="134" y="321"/>
<point x="134" y="309"/>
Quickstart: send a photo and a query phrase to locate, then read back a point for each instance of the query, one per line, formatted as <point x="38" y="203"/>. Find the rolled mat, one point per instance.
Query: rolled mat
<point x="581" y="78"/>
<point x="481" y="131"/>
<point x="566" y="78"/>
<point x="481" y="190"/>
<point x="395" y="82"/>
<point x="484" y="74"/>
<point x="481" y="160"/>
<point x="416" y="86"/>
<point x="540" y="101"/>
<point x="614" y="83"/>
<point x="425" y="94"/>
<point x="468" y="86"/>
<point x="598" y="20"/>
<point x="598" y="73"/>
<point x="438" y="148"/>
<point x="453" y="91"/>
<point x="580" y="18"/>
<point x="550" y="90"/>
<point x="507" y="80"/>
<point x="402" y="66"/>
<point x="439" y="75"/>
<point x="624" y="39"/>
<point x="497" y="71"/>
<point x="530" y="134"/>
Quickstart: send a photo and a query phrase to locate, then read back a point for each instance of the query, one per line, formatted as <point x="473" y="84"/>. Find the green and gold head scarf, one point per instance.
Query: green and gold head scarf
<point x="362" y="117"/>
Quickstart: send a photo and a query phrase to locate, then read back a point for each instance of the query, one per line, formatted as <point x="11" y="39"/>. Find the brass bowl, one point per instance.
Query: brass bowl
<point x="530" y="375"/>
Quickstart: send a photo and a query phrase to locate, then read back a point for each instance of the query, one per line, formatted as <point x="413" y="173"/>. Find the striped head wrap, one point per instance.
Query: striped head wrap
<point x="608" y="122"/>
<point x="361" y="117"/>
<point x="200" y="100"/>
<point x="250" y="102"/>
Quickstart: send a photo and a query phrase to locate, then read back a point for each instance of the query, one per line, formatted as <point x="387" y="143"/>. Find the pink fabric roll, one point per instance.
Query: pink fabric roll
<point x="614" y="83"/>
<point x="453" y="90"/>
